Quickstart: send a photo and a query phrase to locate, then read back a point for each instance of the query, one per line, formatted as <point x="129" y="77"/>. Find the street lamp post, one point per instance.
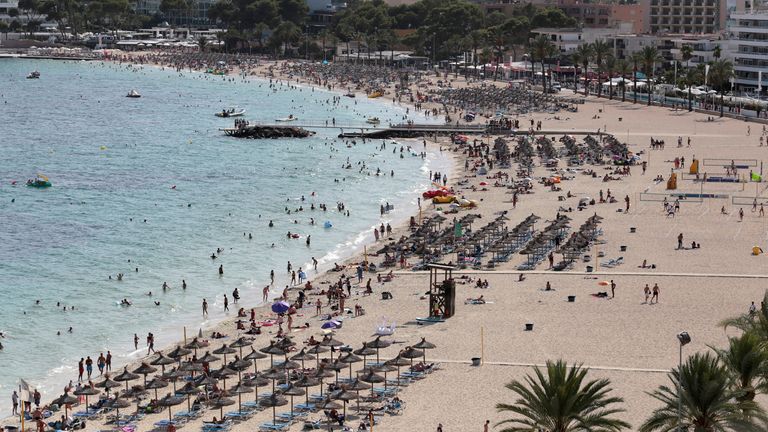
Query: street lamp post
<point x="306" y="42"/>
<point x="434" y="47"/>
<point x="684" y="338"/>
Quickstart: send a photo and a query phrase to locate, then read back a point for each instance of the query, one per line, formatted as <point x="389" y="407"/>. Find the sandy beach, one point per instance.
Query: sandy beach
<point x="624" y="339"/>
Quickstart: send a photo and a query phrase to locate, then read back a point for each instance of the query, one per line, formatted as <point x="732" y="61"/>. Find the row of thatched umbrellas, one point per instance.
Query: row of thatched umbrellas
<point x="278" y="372"/>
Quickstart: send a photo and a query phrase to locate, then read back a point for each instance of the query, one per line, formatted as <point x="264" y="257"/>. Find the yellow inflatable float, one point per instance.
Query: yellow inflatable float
<point x="447" y="199"/>
<point x="465" y="203"/>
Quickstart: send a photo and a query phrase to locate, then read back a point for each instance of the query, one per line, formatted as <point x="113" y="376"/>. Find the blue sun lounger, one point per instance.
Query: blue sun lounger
<point x="274" y="426"/>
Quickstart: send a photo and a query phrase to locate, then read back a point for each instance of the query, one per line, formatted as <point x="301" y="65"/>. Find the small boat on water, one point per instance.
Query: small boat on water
<point x="133" y="94"/>
<point x="373" y="120"/>
<point x="40" y="182"/>
<point x="350" y="95"/>
<point x="33" y="75"/>
<point x="290" y="118"/>
<point x="231" y="112"/>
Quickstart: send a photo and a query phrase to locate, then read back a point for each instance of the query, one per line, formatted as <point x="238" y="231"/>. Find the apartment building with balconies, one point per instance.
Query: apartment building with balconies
<point x="748" y="33"/>
<point x="685" y="16"/>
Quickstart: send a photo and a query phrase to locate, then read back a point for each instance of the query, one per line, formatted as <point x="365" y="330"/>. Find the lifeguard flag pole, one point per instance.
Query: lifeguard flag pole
<point x="21" y="414"/>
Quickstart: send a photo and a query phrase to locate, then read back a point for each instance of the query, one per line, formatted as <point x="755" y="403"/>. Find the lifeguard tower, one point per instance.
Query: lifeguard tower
<point x="442" y="291"/>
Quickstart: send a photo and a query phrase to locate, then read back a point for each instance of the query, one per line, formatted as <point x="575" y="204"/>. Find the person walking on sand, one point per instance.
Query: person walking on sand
<point x="265" y="294"/>
<point x="680" y="241"/>
<point x="318" y="307"/>
<point x="88" y="366"/>
<point x="647" y="291"/>
<point x="486" y="427"/>
<point x="226" y="303"/>
<point x="15" y="402"/>
<point x="613" y="289"/>
<point x="439" y="427"/>
<point x="626" y="200"/>
<point x="655" y="293"/>
<point x="100" y="363"/>
<point x="80" y="369"/>
<point x="741" y="214"/>
<point x="205" y="307"/>
<point x="135" y="341"/>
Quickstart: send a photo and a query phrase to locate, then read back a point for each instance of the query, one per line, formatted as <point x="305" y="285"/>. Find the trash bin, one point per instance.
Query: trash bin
<point x="589" y="269"/>
<point x="571" y="299"/>
<point x="623" y="248"/>
<point x="529" y="327"/>
<point x="632" y="229"/>
<point x="475" y="361"/>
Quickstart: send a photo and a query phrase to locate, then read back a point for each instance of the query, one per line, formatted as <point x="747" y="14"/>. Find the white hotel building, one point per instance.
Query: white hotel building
<point x="749" y="48"/>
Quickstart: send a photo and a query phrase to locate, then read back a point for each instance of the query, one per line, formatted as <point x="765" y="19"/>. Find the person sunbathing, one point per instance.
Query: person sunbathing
<point x="215" y="421"/>
<point x="389" y="276"/>
<point x="479" y="300"/>
<point x="422" y="367"/>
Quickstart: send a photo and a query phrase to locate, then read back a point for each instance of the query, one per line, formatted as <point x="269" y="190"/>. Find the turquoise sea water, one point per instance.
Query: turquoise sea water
<point x="113" y="162"/>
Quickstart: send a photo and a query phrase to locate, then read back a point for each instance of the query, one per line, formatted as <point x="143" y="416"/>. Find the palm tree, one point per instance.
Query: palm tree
<point x="202" y="42"/>
<point x="609" y="66"/>
<point x="748" y="323"/>
<point x="692" y="75"/>
<point x="709" y="401"/>
<point x="721" y="72"/>
<point x="576" y="60"/>
<point x="687" y="53"/>
<point x="623" y="69"/>
<point x="717" y="52"/>
<point x="284" y="35"/>
<point x="600" y="50"/>
<point x="636" y="59"/>
<point x="542" y="49"/>
<point x="747" y="360"/>
<point x="650" y="55"/>
<point x="584" y="51"/>
<point x="326" y="36"/>
<point x="560" y="400"/>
